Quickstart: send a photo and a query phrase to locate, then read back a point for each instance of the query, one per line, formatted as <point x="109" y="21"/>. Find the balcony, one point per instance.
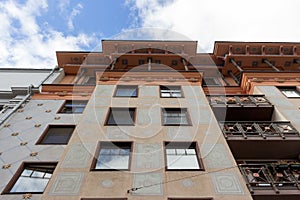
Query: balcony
<point x="260" y="139"/>
<point x="241" y="107"/>
<point x="272" y="180"/>
<point x="258" y="130"/>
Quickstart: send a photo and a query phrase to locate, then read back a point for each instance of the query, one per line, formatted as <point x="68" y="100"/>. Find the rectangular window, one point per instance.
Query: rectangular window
<point x="170" y="91"/>
<point x="121" y="116"/>
<point x="113" y="156"/>
<point x="126" y="91"/>
<point x="33" y="178"/>
<point x="175" y="117"/>
<point x="211" y="81"/>
<point x="104" y="199"/>
<point x="190" y="198"/>
<point x="73" y="106"/>
<point x="290" y="92"/>
<point x="57" y="134"/>
<point x="182" y="156"/>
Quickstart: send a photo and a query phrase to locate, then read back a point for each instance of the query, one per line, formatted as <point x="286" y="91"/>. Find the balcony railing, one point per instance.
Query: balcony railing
<point x="274" y="176"/>
<point x="258" y="129"/>
<point x="241" y="107"/>
<point x="239" y="101"/>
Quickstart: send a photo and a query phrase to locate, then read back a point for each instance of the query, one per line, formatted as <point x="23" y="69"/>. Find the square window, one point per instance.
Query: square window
<point x="182" y="156"/>
<point x="121" y="116"/>
<point x="104" y="199"/>
<point x="174" y="62"/>
<point x="113" y="156"/>
<point x="290" y="92"/>
<point x="175" y="117"/>
<point x="126" y="91"/>
<point x="57" y="134"/>
<point x="73" y="106"/>
<point x="210" y="81"/>
<point x="170" y="91"/>
<point x="254" y="63"/>
<point x="124" y="62"/>
<point x="190" y="198"/>
<point x="141" y="62"/>
<point x="33" y="178"/>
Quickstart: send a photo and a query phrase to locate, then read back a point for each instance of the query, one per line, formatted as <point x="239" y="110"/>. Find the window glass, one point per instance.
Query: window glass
<point x="114" y="156"/>
<point x="290" y="92"/>
<point x="121" y="116"/>
<point x="181" y="156"/>
<point x="33" y="179"/>
<point x="170" y="91"/>
<point x="73" y="106"/>
<point x="57" y="134"/>
<point x="175" y="116"/>
<point x="126" y="91"/>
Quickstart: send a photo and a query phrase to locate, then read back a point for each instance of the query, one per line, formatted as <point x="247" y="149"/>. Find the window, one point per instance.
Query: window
<point x="73" y="106"/>
<point x="113" y="156"/>
<point x="104" y="199"/>
<point x="190" y="198"/>
<point x="121" y="116"/>
<point x="33" y="178"/>
<point x="57" y="134"/>
<point x="211" y="81"/>
<point x="126" y="91"/>
<point x="170" y="91"/>
<point x="290" y="92"/>
<point x="182" y="156"/>
<point x="175" y="116"/>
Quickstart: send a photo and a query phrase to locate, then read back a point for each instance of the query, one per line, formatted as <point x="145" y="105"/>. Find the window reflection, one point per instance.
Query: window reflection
<point x="114" y="156"/>
<point x="181" y="156"/>
<point x="33" y="179"/>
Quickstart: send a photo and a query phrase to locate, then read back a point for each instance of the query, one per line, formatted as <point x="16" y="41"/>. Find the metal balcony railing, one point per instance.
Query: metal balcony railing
<point x="271" y="176"/>
<point x="258" y="129"/>
<point x="238" y="101"/>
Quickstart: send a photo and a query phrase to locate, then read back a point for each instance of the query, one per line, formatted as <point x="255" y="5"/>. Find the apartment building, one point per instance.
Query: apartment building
<point x="157" y="120"/>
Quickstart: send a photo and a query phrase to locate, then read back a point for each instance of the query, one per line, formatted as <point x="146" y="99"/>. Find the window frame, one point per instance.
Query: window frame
<point x="282" y="89"/>
<point x="193" y="144"/>
<point x="191" y="198"/>
<point x="17" y="175"/>
<point x="120" y="108"/>
<point x="187" y="115"/>
<point x="126" y="86"/>
<point x="170" y="87"/>
<point x="116" y="144"/>
<point x="45" y="132"/>
<point x="60" y="111"/>
<point x="216" y="81"/>
<point x="109" y="198"/>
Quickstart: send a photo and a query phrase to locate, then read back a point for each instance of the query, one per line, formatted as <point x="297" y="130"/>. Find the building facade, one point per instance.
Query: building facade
<point x="157" y="120"/>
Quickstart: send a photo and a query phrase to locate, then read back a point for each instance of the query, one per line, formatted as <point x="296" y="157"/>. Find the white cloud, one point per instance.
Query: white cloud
<point x="26" y="44"/>
<point x="74" y="13"/>
<point x="231" y="20"/>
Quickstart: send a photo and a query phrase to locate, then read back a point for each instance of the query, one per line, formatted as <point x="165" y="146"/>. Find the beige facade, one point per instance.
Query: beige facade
<point x="152" y="100"/>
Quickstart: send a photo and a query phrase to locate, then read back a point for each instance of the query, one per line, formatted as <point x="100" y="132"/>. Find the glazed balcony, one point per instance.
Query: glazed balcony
<point x="241" y="107"/>
<point x="261" y="139"/>
<point x="272" y="180"/>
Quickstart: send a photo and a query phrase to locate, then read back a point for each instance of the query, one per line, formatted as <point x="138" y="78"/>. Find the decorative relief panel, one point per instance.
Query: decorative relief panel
<point x="227" y="183"/>
<point x="78" y="156"/>
<point x="148" y="184"/>
<point x="148" y="156"/>
<point x="67" y="183"/>
<point x="215" y="156"/>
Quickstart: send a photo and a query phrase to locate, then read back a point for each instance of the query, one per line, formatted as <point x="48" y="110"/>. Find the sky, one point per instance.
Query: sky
<point x="31" y="31"/>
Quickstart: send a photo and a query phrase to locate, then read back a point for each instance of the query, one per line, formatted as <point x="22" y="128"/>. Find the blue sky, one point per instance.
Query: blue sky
<point x="31" y="31"/>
